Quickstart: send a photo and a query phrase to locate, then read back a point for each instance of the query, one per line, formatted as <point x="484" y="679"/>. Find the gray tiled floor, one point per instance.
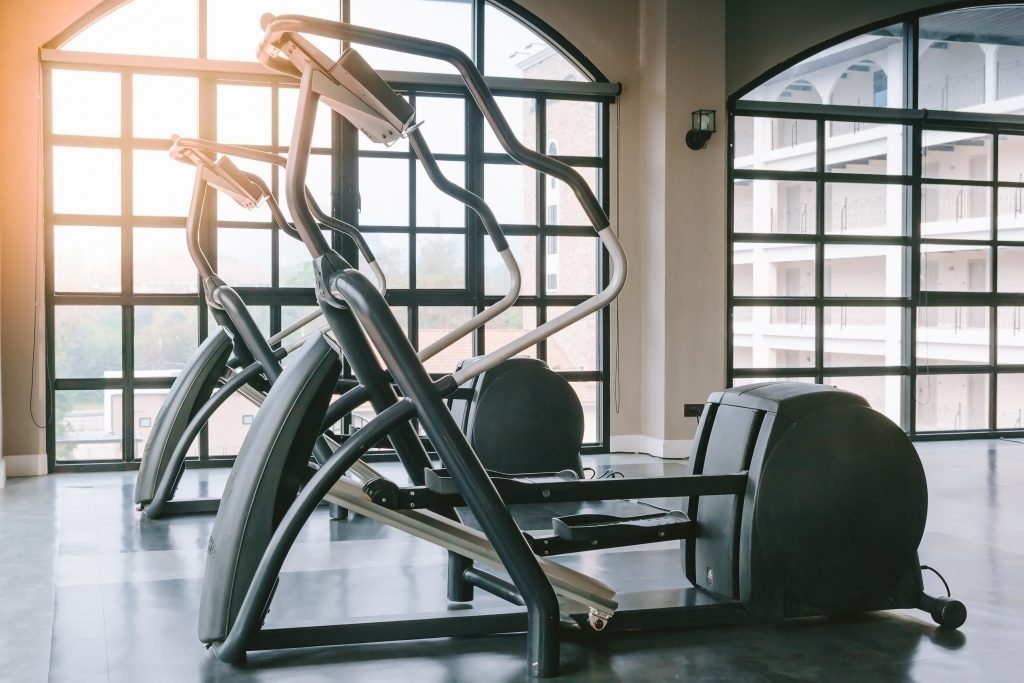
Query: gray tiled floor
<point x="93" y="592"/>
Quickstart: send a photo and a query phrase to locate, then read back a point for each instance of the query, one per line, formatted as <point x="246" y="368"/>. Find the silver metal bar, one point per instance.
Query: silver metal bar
<point x="470" y="543"/>
<point x="573" y="315"/>
<point x="294" y="327"/>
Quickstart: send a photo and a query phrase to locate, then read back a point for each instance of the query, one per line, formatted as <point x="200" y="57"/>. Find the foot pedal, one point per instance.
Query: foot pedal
<point x="607" y="530"/>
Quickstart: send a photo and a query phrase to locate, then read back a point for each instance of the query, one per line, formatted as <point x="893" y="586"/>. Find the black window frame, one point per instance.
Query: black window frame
<point x="344" y="153"/>
<point x="914" y="300"/>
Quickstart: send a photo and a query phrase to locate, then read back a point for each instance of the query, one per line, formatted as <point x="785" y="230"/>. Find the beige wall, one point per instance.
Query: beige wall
<point x="26" y="26"/>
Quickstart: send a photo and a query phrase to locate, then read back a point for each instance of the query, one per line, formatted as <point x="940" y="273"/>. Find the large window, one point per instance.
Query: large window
<point x="876" y="222"/>
<point x="123" y="300"/>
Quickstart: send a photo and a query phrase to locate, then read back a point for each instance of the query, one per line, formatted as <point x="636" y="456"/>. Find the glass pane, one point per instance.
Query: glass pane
<point x="163" y="106"/>
<point x="861" y="147"/>
<point x="446" y="21"/>
<point x="1010" y="335"/>
<point x="575" y="347"/>
<point x="864" y="209"/>
<point x="1009" y="401"/>
<point x="563" y="208"/>
<point x="512" y="49"/>
<point x="161" y="262"/>
<point x="510" y="326"/>
<point x="956" y="211"/>
<point x="774" y="144"/>
<point x="773" y="269"/>
<point x="884" y="393"/>
<point x="230" y="210"/>
<point x="86" y="180"/>
<point x="863" y="270"/>
<point x="496" y="280"/>
<point x="434" y="323"/>
<point x="511" y="192"/>
<point x="434" y="209"/>
<point x="295" y="266"/>
<point x="440" y="262"/>
<point x="392" y="254"/>
<point x="86" y="259"/>
<point x="1011" y="270"/>
<point x="234" y="31"/>
<point x="292" y="314"/>
<point x="147" y="405"/>
<point x="85" y="103"/>
<point x="243" y="257"/>
<point x="865" y="336"/>
<point x="287" y="101"/>
<point x="142" y="27"/>
<point x="956" y="156"/>
<point x="866" y="69"/>
<point x="229" y="425"/>
<point x="952" y="402"/>
<point x="590" y="396"/>
<point x="573" y="127"/>
<point x="952" y="61"/>
<point x="87" y="341"/>
<point x="952" y="335"/>
<point x="243" y="113"/>
<point x="1011" y="213"/>
<point x="87" y="425"/>
<point x="160" y="185"/>
<point x="521" y="115"/>
<point x="773" y="337"/>
<point x="955" y="268"/>
<point x="1011" y="154"/>
<point x="444" y="123"/>
<point x="165" y="337"/>
<point x="783" y="206"/>
<point x="571" y="264"/>
<point x="383" y="192"/>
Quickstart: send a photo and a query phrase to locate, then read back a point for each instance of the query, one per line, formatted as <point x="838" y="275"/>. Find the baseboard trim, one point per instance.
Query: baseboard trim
<point x="678" y="449"/>
<point x="3" y="471"/>
<point x="29" y="465"/>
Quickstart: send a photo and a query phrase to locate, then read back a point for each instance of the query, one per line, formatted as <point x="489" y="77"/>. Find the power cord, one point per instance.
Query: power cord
<point x="935" y="571"/>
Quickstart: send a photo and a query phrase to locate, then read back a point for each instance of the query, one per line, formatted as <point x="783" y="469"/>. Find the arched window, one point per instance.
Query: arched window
<point x="881" y="254"/>
<point x="123" y="298"/>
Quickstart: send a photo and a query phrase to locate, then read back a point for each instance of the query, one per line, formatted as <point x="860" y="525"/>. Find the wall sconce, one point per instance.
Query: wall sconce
<point x="702" y="125"/>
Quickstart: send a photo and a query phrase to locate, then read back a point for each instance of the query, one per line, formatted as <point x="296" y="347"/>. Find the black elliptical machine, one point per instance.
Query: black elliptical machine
<point x="801" y="500"/>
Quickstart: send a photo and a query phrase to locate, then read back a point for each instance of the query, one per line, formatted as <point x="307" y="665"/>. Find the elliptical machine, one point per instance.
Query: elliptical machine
<point x="234" y="358"/>
<point x="801" y="499"/>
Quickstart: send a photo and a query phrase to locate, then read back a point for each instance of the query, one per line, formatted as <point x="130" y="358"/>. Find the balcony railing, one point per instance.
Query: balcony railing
<point x="857" y="214"/>
<point x="941" y="204"/>
<point x="954" y="92"/>
<point x="744" y="142"/>
<point x="788" y="133"/>
<point x="837" y="128"/>
<point x="1010" y="79"/>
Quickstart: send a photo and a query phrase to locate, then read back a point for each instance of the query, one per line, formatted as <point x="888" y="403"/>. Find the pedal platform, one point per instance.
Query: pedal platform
<point x="574" y="533"/>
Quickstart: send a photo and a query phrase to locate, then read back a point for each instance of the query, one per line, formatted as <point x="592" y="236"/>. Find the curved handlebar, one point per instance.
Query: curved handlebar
<point x="270" y="54"/>
<point x="179" y="151"/>
<point x="276" y="27"/>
